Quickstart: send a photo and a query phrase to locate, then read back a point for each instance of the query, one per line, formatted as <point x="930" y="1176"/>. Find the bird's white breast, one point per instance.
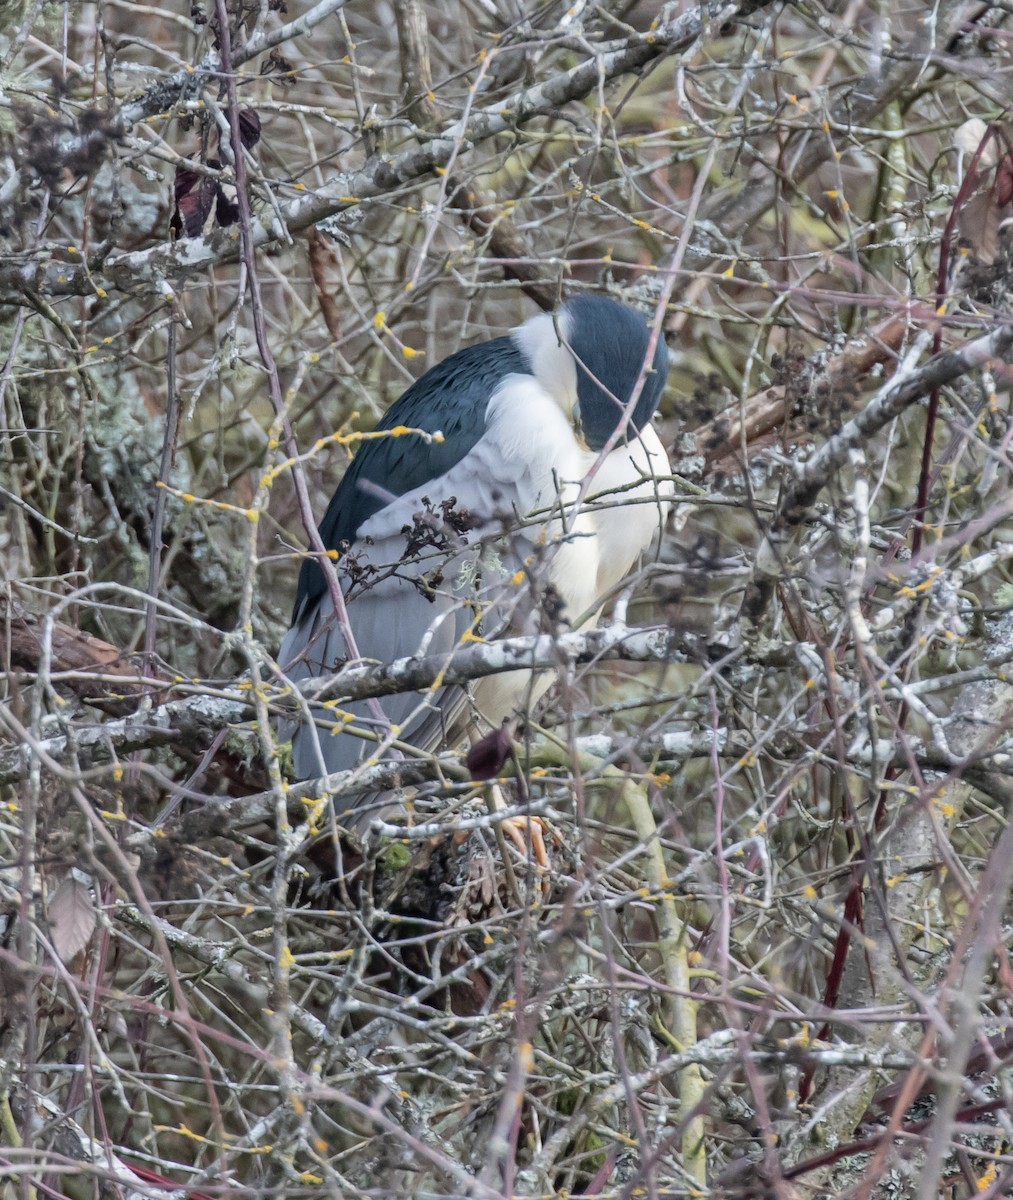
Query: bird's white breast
<point x="529" y="461"/>
<point x="638" y="476"/>
<point x="592" y="545"/>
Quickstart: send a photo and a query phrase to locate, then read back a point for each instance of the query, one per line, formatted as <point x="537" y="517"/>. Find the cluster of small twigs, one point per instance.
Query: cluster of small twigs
<point x="770" y="951"/>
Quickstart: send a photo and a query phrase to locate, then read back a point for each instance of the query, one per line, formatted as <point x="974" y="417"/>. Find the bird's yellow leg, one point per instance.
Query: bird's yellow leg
<point x="527" y="835"/>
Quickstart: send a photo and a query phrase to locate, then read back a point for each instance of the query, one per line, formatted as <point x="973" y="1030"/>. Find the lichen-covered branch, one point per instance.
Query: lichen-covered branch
<point x="157" y="268"/>
<point x="808" y="479"/>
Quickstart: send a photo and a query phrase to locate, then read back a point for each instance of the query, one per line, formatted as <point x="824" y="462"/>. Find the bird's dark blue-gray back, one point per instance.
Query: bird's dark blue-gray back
<point x="450" y="398"/>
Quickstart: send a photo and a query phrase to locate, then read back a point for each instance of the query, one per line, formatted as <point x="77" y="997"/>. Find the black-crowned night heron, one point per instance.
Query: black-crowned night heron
<point x="491" y="529"/>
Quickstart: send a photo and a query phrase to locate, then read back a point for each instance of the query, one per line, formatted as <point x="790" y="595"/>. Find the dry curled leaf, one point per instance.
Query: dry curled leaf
<point x="197" y="194"/>
<point x="486" y="758"/>
<point x="72" y="917"/>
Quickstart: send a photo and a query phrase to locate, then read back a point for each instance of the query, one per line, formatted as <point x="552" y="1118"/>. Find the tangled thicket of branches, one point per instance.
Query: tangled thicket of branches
<point x="770" y="956"/>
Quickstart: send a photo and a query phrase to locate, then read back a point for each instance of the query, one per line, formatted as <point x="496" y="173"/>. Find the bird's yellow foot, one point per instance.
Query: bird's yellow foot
<point x="528" y="836"/>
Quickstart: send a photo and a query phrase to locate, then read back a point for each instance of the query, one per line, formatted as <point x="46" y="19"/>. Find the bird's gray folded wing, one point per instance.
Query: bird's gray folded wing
<point x="391" y="620"/>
